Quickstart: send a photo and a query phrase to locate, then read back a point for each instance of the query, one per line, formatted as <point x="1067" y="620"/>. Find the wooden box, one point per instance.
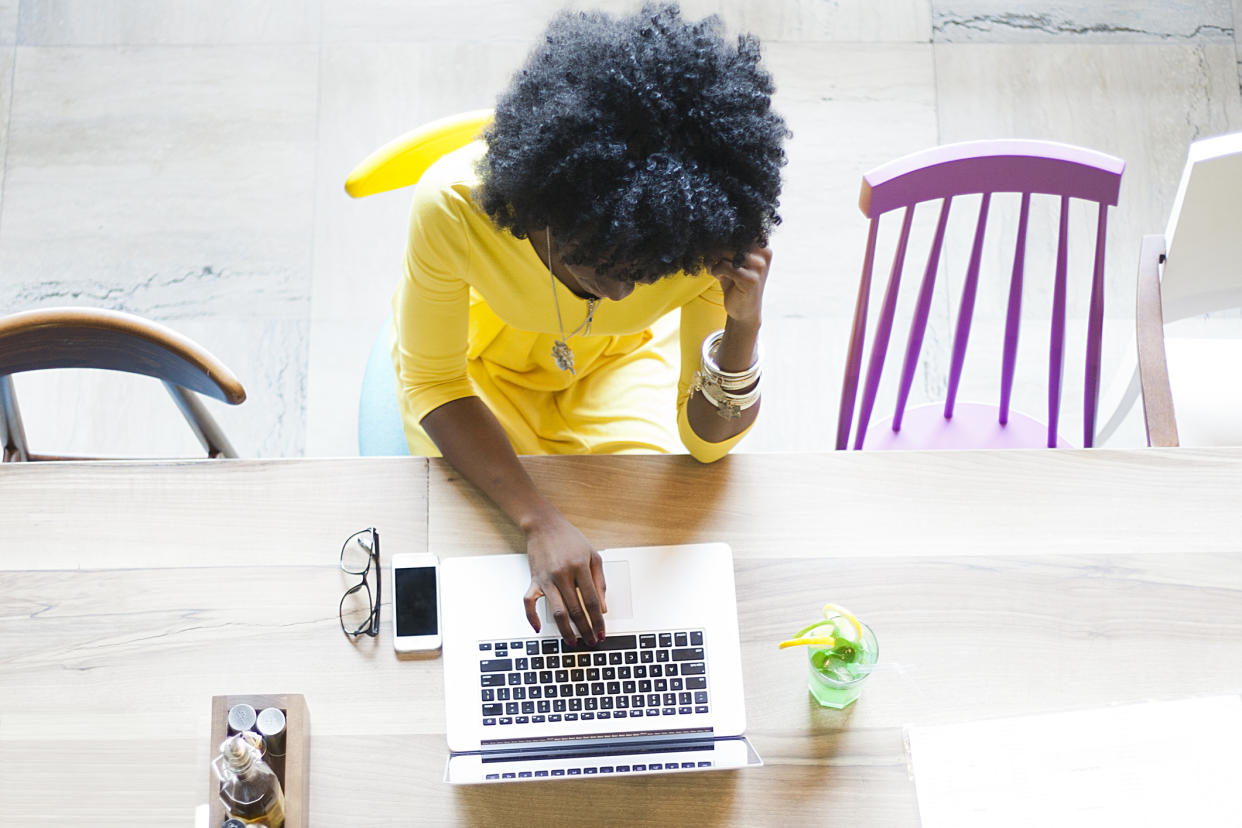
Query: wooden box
<point x="295" y="778"/>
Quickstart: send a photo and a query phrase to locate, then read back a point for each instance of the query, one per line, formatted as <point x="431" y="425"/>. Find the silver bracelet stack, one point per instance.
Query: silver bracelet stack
<point x="727" y="391"/>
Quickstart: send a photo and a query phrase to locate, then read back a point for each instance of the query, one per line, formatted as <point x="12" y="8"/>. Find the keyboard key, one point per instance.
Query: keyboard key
<point x="666" y="640"/>
<point x="511" y="708"/>
<point x="696" y="682"/>
<point x="492" y="680"/>
<point x="493" y="709"/>
<point x="696" y="639"/>
<point x="616" y="642"/>
<point x="668" y="711"/>
<point x="516" y="645"/>
<point x="587" y="716"/>
<point x="623" y="768"/>
<point x="549" y="646"/>
<point x="604" y="714"/>
<point x="597" y="688"/>
<point x="532" y="648"/>
<point x="687" y="764"/>
<point x="495" y="665"/>
<point x="646" y="641"/>
<point x="615" y="658"/>
<point x="685" y="711"/>
<point x="538" y="719"/>
<point x="519" y="693"/>
<point x="553" y="662"/>
<point x="488" y="694"/>
<point x="662" y="655"/>
<point x="536" y="663"/>
<point x="521" y="664"/>
<point x="620" y="714"/>
<point x="705" y="764"/>
<point x="514" y="678"/>
<point x="558" y="771"/>
<point x="600" y="659"/>
<point x="503" y="694"/>
<point x="485" y="645"/>
<point x="541" y="773"/>
<point x="639" y="768"/>
<point x="555" y="717"/>
<point x="525" y="775"/>
<point x="680" y="640"/>
<point x="606" y="769"/>
<point x="509" y="776"/>
<point x="487" y="722"/>
<point x="701" y="709"/>
<point x="696" y="668"/>
<point x="646" y="656"/>
<point x="590" y="770"/>
<point x="575" y="771"/>
<point x="688" y="654"/>
<point x="506" y="721"/>
<point x="700" y="697"/>
<point x="493" y="776"/>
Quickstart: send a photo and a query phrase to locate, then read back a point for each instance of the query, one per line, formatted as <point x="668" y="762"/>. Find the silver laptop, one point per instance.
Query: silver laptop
<point x="661" y="694"/>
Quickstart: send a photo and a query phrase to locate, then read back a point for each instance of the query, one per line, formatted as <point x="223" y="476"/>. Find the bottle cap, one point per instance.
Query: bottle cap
<point x="242" y="717"/>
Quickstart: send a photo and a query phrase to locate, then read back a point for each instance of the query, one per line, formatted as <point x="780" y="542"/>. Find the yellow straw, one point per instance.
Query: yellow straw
<point x="822" y="641"/>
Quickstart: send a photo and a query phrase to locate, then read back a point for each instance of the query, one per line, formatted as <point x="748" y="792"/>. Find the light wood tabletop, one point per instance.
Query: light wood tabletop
<point x="998" y="583"/>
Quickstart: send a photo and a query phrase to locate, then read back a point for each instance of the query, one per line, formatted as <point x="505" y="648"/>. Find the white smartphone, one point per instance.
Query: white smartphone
<point x="416" y="602"/>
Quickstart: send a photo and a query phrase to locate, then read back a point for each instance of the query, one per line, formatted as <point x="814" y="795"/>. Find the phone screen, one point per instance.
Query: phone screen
<point x="415" y="600"/>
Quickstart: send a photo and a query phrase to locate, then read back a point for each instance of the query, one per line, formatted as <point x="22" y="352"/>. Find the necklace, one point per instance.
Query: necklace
<point x="561" y="353"/>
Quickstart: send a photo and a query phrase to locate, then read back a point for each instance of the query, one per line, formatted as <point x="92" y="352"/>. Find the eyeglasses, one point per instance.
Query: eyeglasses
<point x="360" y="612"/>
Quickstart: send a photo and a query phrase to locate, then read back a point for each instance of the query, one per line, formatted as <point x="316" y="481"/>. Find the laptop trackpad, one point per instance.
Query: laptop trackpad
<point x="619" y="597"/>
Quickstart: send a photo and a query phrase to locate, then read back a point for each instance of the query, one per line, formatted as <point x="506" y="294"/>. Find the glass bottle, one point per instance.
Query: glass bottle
<point x="249" y="789"/>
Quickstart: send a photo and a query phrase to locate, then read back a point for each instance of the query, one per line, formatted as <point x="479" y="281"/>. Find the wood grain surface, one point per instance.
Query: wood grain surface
<point x="997" y="583"/>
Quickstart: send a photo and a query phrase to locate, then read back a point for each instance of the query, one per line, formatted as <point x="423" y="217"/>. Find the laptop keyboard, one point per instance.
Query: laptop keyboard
<point x="537" y="680"/>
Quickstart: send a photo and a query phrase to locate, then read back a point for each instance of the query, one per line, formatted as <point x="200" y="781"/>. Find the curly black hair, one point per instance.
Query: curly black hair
<point x="647" y="143"/>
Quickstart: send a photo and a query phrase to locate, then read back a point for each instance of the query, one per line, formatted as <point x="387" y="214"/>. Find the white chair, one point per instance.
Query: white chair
<point x="1194" y="268"/>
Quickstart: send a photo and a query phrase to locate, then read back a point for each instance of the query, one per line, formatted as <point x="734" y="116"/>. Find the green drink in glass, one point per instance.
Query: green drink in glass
<point x="842" y="655"/>
<point x="838" y="673"/>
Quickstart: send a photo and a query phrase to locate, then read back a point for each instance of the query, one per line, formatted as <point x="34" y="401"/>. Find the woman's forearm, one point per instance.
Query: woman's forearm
<point x="471" y="439"/>
<point x="736" y="353"/>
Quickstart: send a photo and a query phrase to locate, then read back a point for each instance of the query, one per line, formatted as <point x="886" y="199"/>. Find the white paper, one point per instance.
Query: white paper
<point x="1157" y="763"/>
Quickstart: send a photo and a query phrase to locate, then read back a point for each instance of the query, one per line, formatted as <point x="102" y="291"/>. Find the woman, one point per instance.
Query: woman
<point x="632" y="170"/>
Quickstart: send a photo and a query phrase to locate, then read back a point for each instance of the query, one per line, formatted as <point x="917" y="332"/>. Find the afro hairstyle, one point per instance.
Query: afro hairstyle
<point x="646" y="143"/>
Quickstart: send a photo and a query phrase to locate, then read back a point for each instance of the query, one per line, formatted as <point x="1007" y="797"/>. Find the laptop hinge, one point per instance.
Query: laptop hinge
<point x="602" y="743"/>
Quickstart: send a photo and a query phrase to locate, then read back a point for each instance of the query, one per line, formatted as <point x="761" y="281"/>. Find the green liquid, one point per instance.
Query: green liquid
<point x="837" y="675"/>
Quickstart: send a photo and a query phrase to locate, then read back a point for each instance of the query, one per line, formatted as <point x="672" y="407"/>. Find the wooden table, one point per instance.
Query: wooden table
<point x="998" y="584"/>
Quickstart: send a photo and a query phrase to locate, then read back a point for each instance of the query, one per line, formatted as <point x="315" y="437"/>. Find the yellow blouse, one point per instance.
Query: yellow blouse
<point x="474" y="315"/>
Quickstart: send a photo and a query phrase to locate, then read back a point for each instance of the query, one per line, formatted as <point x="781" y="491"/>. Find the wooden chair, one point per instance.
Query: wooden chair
<point x="941" y="174"/>
<point x="399" y="163"/>
<point x="1193" y="269"/>
<point x="93" y="338"/>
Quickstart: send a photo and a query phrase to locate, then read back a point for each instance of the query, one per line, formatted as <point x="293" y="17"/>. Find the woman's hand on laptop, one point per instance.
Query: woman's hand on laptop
<point x="567" y="571"/>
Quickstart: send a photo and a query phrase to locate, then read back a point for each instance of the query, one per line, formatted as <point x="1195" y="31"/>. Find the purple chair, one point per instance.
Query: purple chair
<point x="941" y="173"/>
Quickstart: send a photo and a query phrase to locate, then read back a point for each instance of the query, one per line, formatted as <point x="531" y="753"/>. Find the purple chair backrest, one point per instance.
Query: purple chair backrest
<point x="971" y="168"/>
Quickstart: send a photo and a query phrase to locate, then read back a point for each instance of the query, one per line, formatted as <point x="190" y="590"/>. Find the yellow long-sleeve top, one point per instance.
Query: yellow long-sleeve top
<point x="474" y="315"/>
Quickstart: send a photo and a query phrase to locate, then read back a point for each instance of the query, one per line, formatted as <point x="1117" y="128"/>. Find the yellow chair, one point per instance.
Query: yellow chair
<point x="51" y="338"/>
<point x="403" y="160"/>
<point x="399" y="163"/>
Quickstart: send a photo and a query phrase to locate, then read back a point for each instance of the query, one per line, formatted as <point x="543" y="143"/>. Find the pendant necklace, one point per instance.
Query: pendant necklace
<point x="561" y="353"/>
